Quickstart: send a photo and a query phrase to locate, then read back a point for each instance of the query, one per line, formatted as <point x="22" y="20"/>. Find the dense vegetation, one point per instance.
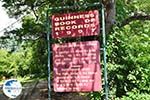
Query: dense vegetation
<point x="23" y="51"/>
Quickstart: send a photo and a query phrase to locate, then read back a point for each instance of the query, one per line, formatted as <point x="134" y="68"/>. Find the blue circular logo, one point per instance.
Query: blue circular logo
<point x="12" y="88"/>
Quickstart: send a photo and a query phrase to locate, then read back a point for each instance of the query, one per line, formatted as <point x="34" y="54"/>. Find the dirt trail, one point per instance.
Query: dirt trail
<point x="38" y="91"/>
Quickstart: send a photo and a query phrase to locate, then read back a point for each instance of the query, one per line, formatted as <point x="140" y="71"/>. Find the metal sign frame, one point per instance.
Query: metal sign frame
<point x="48" y="22"/>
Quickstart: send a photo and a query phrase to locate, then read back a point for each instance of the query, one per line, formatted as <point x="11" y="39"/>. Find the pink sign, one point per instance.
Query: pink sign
<point x="77" y="67"/>
<point x="75" y="24"/>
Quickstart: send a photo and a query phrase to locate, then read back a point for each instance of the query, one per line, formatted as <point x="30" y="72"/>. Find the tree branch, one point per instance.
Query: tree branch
<point x="136" y="16"/>
<point x="35" y="14"/>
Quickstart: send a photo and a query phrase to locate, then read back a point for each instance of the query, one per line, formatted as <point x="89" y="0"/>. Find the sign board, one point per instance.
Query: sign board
<point x="75" y="24"/>
<point x="12" y="88"/>
<point x="77" y="67"/>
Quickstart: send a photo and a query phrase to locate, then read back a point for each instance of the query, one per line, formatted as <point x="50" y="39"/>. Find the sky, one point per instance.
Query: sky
<point x="5" y="21"/>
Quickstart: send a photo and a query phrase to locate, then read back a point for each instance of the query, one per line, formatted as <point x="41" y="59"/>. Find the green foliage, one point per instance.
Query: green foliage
<point x="3" y="61"/>
<point x="39" y="58"/>
<point x="129" y="53"/>
<point x="96" y="96"/>
<point x="14" y="64"/>
<point x="140" y="5"/>
<point x="122" y="10"/>
<point x="135" y="96"/>
<point x="128" y="57"/>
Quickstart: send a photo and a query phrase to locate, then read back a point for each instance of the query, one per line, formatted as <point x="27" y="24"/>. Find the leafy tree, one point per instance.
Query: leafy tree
<point x="15" y="64"/>
<point x="128" y="50"/>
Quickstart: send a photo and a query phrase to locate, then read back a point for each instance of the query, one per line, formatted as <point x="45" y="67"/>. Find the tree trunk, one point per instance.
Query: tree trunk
<point x="110" y="13"/>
